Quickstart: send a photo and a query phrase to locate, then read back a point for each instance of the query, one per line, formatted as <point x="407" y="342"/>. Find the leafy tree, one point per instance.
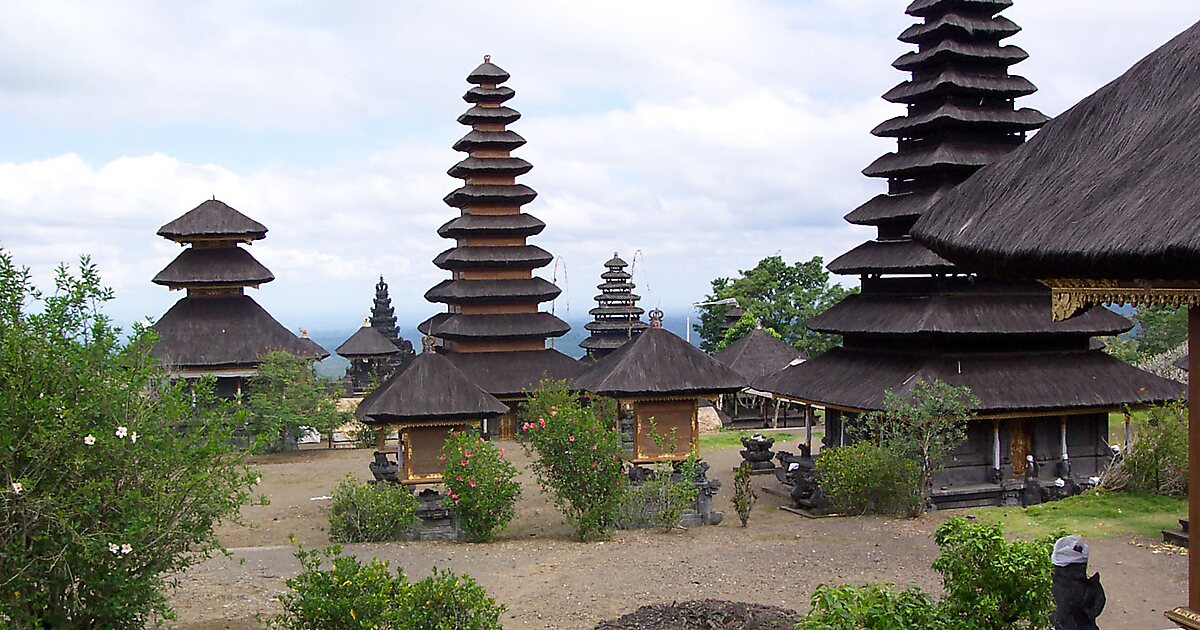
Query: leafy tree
<point x="782" y="297"/>
<point x="112" y="480"/>
<point x="746" y="323"/>
<point x="286" y="398"/>
<point x="1158" y="329"/>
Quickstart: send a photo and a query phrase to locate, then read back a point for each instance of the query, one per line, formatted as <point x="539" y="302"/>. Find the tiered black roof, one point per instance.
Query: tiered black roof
<point x="383" y="315"/>
<point x="918" y="315"/>
<point x="659" y="363"/>
<point x="490" y="234"/>
<point x="618" y="318"/>
<point x="367" y="342"/>
<point x="217" y="326"/>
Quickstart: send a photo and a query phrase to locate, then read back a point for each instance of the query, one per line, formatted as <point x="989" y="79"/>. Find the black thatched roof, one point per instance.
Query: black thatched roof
<point x="984" y="309"/>
<point x="949" y="155"/>
<point x="221" y="332"/>
<point x="758" y="354"/>
<point x="212" y="219"/>
<point x="313" y="350"/>
<point x="1182" y="363"/>
<point x="533" y="289"/>
<point x="219" y="266"/>
<point x="494" y="166"/>
<point x="1107" y="190"/>
<point x="490" y="195"/>
<point x="497" y="326"/>
<point x="514" y="374"/>
<point x="489" y="115"/>
<point x="617" y="317"/>
<point x="429" y="389"/>
<point x="491" y="225"/>
<point x="954" y="81"/>
<point x="893" y="208"/>
<point x="658" y="362"/>
<point x="932" y="8"/>
<point x="490" y="257"/>
<point x="487" y="73"/>
<point x="896" y="256"/>
<point x="960" y="25"/>
<point x="1003" y="382"/>
<point x="367" y="342"/>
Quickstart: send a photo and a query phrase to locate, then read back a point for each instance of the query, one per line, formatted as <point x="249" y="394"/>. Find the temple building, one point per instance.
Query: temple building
<point x="369" y="353"/>
<point x="383" y="320"/>
<point x="493" y="329"/>
<point x="216" y="329"/>
<point x="1043" y="393"/>
<point x="618" y="318"/>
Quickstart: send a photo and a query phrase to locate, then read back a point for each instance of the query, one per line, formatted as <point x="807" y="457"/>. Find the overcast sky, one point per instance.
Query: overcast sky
<point x="694" y="136"/>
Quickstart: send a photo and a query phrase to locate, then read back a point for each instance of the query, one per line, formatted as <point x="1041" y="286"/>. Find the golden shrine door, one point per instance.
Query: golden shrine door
<point x="1020" y="445"/>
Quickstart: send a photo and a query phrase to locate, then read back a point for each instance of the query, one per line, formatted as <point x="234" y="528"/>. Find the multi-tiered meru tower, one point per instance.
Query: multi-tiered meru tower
<point x="493" y="329"/>
<point x="618" y="318"/>
<point x="218" y="330"/>
<point x="1042" y="392"/>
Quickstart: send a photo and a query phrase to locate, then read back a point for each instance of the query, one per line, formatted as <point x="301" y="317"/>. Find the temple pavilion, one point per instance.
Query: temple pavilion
<point x="368" y="352"/>
<point x="493" y="330"/>
<point x="1044" y="394"/>
<point x="216" y="329"/>
<point x="618" y="318"/>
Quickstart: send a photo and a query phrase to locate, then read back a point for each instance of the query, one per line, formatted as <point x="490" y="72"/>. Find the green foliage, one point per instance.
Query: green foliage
<point x="866" y="478"/>
<point x="872" y="607"/>
<point x="351" y="595"/>
<point x="661" y="500"/>
<point x="578" y="458"/>
<point x="782" y="297"/>
<point x="482" y="485"/>
<point x="1158" y="329"/>
<point x="746" y="323"/>
<point x="286" y="397"/>
<point x="990" y="582"/>
<point x="926" y="426"/>
<point x="1093" y="514"/>
<point x="371" y="512"/>
<point x="1158" y="459"/>
<point x="112" y="482"/>
<point x="744" y="496"/>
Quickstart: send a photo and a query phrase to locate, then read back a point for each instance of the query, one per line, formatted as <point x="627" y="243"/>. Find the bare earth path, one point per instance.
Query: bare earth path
<point x="548" y="581"/>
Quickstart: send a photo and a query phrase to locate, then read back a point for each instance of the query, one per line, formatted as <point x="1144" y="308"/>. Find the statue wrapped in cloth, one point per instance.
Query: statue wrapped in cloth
<point x="1078" y="599"/>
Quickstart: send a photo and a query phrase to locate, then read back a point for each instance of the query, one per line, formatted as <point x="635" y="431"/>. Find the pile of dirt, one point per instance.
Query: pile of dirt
<point x="706" y="614"/>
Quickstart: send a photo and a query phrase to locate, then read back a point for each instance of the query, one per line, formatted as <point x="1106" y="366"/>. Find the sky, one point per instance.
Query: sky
<point x="694" y="137"/>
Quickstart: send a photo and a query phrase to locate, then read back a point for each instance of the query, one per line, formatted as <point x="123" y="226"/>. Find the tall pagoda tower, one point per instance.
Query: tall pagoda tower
<point x="216" y="329"/>
<point x="1043" y="393"/>
<point x="383" y="320"/>
<point x="493" y="329"/>
<point x="618" y="318"/>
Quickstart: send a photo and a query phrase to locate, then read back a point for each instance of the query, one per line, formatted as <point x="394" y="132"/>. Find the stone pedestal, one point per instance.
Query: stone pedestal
<point x="758" y="454"/>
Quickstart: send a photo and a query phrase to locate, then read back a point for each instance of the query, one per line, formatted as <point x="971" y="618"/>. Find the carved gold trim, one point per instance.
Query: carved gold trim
<point x="1185" y="617"/>
<point x="1070" y="297"/>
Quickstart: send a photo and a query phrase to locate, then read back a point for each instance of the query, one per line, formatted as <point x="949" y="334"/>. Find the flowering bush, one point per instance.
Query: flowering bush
<point x="353" y="595"/>
<point x="578" y="458"/>
<point x="102" y="496"/>
<point x="1158" y="459"/>
<point x="371" y="512"/>
<point x="481" y="483"/>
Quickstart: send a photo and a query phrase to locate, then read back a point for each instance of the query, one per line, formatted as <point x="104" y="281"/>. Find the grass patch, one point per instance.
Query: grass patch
<point x="1099" y="514"/>
<point x="729" y="439"/>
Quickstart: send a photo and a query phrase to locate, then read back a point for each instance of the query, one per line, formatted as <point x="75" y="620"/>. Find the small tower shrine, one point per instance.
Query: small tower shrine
<point x="216" y="329"/>
<point x="618" y="318"/>
<point x="383" y="320"/>
<point x="492" y="329"/>
<point x="369" y="354"/>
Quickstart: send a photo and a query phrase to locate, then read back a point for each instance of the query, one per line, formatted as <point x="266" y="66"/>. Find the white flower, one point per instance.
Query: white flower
<point x="17" y="487"/>
<point x="258" y="480"/>
<point x="133" y="437"/>
<point x="89" y="440"/>
<point x="114" y="548"/>
<point x="122" y="432"/>
<point x="126" y="549"/>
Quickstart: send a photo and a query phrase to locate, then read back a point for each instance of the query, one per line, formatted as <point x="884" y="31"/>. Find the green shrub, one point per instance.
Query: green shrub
<point x="103" y="498"/>
<point x="660" y="500"/>
<point x="1158" y="459"/>
<point x="865" y="478"/>
<point x="482" y="485"/>
<point x="872" y="607"/>
<point x="286" y="398"/>
<point x="375" y="512"/>
<point x="578" y="458"/>
<point x="744" y="496"/>
<point x="990" y="582"/>
<point x="351" y="595"/>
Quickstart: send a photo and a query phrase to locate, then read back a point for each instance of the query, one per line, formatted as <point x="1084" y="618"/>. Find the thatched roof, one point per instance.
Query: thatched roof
<point x="491" y="225"/>
<point x="429" y="389"/>
<point x="212" y="219"/>
<point x="219" y="266"/>
<point x="505" y="325"/>
<point x="367" y="342"/>
<point x="221" y="332"/>
<point x="313" y="350"/>
<point x="533" y="289"/>
<point x="658" y="362"/>
<point x="1107" y="190"/>
<point x="514" y="374"/>
<point x="1182" y="363"/>
<point x="494" y="167"/>
<point x="1045" y="381"/>
<point x="893" y="256"/>
<point x="498" y="256"/>
<point x="758" y="354"/>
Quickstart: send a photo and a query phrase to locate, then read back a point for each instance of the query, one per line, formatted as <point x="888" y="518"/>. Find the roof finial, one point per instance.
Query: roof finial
<point x="656" y="317"/>
<point x="304" y="333"/>
<point x="487" y="59"/>
<point x="366" y="322"/>
<point x="428" y="343"/>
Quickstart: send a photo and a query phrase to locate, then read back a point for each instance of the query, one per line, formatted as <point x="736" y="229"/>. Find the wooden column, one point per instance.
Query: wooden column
<point x="996" y="445"/>
<point x="1193" y="452"/>
<point x="808" y="417"/>
<point x="1063" y="438"/>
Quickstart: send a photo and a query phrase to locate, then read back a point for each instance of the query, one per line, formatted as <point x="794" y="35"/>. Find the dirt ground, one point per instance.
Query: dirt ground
<point x="549" y="581"/>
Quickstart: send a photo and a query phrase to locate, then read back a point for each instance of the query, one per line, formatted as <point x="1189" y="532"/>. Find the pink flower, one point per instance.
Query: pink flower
<point x="472" y="483"/>
<point x="462" y="463"/>
<point x="593" y="464"/>
<point x="453" y="496"/>
<point x="553" y="412"/>
<point x="501" y="453"/>
<point x="594" y="446"/>
<point x="456" y="502"/>
<point x="458" y="478"/>
<point x="467" y="454"/>
<point x="89" y="439"/>
<point x="572" y="438"/>
<point x="441" y="458"/>
<point x="542" y="421"/>
<point x="618" y="484"/>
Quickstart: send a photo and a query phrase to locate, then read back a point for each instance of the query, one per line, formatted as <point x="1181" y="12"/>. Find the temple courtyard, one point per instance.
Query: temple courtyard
<point x="549" y="581"/>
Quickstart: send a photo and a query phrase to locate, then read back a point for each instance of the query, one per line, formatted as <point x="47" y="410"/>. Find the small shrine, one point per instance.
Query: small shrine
<point x="618" y="318"/>
<point x="383" y="320"/>
<point x="368" y="352"/>
<point x="216" y="329"/>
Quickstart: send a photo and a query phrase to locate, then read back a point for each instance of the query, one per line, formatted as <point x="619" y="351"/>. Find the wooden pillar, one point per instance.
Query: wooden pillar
<point x="996" y="445"/>
<point x="1193" y="451"/>
<point x="775" y="422"/>
<point x="1128" y="434"/>
<point x="381" y="438"/>
<point x="808" y="416"/>
<point x="1063" y="438"/>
